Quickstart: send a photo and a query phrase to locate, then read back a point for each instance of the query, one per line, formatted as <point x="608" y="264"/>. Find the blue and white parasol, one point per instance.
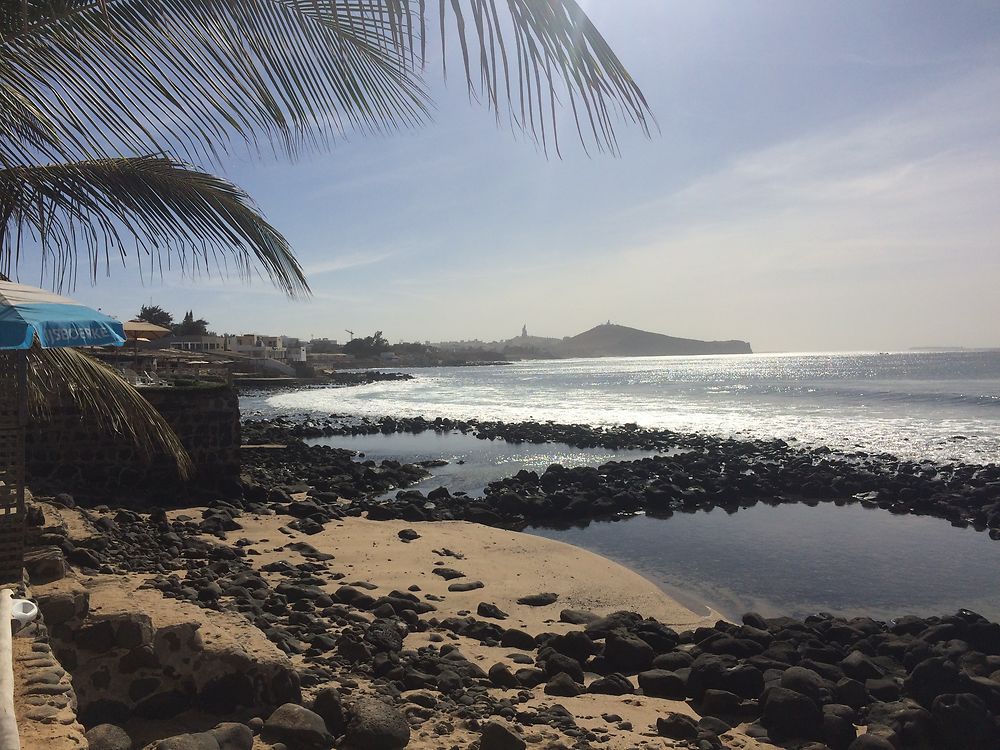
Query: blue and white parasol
<point x="27" y="311"/>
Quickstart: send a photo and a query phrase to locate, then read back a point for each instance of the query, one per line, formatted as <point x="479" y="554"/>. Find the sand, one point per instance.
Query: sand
<point x="510" y="564"/>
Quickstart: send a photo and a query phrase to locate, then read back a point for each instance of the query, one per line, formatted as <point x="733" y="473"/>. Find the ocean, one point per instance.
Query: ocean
<point x="790" y="560"/>
<point x="918" y="405"/>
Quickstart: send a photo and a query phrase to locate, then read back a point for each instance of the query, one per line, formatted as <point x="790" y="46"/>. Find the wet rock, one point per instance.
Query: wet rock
<point x="375" y="725"/>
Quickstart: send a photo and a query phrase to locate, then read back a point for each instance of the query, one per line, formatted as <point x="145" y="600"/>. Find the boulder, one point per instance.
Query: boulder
<point x="375" y="725"/>
<point x="871" y="742"/>
<point x="556" y="663"/>
<point x="807" y="682"/>
<point x="963" y="723"/>
<point x="677" y="727"/>
<point x="788" y="714"/>
<point x="297" y="726"/>
<point x="328" y="706"/>
<point x="538" y="600"/>
<point x="108" y="737"/>
<point x="613" y="684"/>
<point x="499" y="736"/>
<point x="502" y="677"/>
<point x="564" y="686"/>
<point x="661" y="683"/>
<point x="627" y="653"/>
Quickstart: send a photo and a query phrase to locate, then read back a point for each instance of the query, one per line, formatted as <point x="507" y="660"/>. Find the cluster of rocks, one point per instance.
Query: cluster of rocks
<point x="328" y="473"/>
<point x="913" y="682"/>
<point x="325" y="380"/>
<point x="696" y="472"/>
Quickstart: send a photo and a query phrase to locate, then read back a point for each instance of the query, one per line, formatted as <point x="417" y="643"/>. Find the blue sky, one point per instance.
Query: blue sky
<point x="825" y="176"/>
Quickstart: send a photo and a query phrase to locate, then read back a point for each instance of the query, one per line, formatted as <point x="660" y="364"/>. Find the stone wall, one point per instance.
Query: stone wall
<point x="66" y="453"/>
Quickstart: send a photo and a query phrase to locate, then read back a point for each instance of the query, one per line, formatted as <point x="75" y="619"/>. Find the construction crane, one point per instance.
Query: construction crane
<point x="351" y="333"/>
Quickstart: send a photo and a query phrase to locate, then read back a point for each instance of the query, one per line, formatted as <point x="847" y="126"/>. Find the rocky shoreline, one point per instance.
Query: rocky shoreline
<point x="694" y="472"/>
<point x="913" y="682"/>
<point x="398" y="631"/>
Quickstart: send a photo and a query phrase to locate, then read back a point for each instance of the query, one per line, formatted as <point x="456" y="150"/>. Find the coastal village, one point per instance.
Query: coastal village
<point x="216" y="536"/>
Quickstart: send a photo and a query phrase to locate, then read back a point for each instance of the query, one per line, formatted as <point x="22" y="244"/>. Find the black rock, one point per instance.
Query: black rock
<point x="108" y="737"/>
<point x="788" y="715"/>
<point x="502" y="677"/>
<point x="297" y="726"/>
<point x="497" y="736"/>
<point x="328" y="706"/>
<point x="564" y="686"/>
<point x="375" y="725"/>
<point x="486" y="609"/>
<point x="677" y="727"/>
<point x="448" y="574"/>
<point x="627" y="653"/>
<point x="661" y="683"/>
<point x="538" y="600"/>
<point x="465" y="586"/>
<point x="962" y="722"/>
<point x="613" y="684"/>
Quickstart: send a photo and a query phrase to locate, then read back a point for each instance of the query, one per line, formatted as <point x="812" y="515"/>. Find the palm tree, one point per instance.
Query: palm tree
<point x="113" y="111"/>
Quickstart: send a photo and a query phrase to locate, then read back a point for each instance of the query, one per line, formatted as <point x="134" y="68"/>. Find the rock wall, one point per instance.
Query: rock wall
<point x="45" y="702"/>
<point x="132" y="653"/>
<point x="66" y="453"/>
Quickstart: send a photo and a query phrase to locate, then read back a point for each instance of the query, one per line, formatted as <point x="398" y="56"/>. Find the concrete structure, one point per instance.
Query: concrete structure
<point x="198" y="343"/>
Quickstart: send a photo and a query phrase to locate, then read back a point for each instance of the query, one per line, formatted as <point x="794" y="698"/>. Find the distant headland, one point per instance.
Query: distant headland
<point x="605" y="340"/>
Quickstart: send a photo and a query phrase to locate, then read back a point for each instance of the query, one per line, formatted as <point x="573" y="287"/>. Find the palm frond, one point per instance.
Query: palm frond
<point x="174" y="214"/>
<point x="104" y="399"/>
<point x="186" y="76"/>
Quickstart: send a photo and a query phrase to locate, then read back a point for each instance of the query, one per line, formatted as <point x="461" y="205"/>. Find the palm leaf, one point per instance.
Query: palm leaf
<point x="173" y="212"/>
<point x="186" y="76"/>
<point x="105" y="400"/>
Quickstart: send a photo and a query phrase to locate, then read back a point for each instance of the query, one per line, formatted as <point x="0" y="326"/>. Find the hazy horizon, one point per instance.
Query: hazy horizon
<point x="824" y="179"/>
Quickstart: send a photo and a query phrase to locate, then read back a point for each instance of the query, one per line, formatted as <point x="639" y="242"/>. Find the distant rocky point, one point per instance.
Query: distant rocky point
<point x="610" y="340"/>
<point x="605" y="340"/>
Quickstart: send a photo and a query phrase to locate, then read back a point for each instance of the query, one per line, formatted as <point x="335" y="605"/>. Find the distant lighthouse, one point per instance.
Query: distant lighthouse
<point x="524" y="331"/>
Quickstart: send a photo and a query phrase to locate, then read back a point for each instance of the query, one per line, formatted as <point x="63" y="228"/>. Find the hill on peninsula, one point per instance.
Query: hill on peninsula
<point x="610" y="340"/>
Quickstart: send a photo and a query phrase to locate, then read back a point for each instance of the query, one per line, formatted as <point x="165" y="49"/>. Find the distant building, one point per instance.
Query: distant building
<point x="259" y="346"/>
<point x="197" y="343"/>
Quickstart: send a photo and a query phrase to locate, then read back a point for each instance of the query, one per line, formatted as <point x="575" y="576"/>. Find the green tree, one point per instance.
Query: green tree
<point x="191" y="327"/>
<point x="367" y="347"/>
<point x="156" y="315"/>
